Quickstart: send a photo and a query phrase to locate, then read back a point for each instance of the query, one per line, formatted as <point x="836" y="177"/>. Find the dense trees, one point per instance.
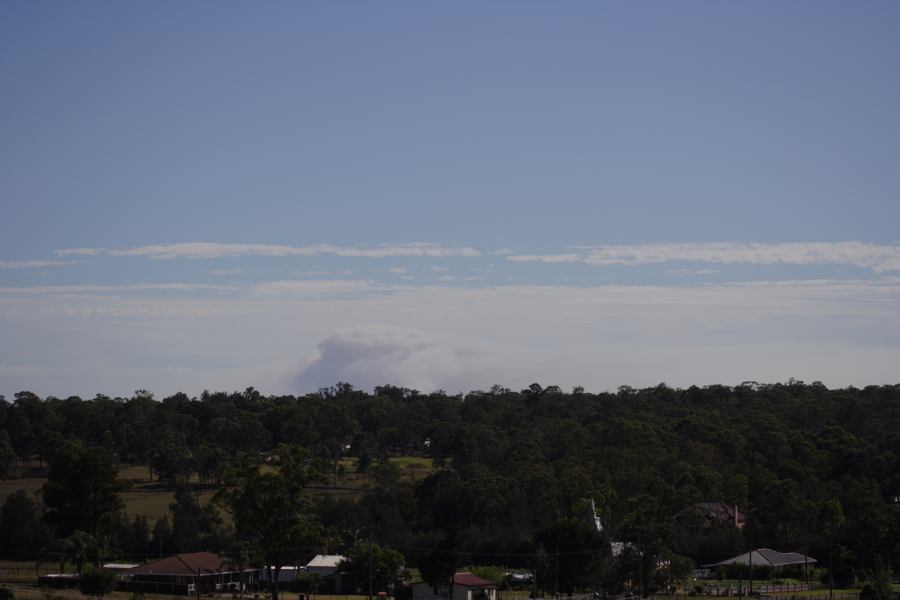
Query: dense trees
<point x="382" y="563"/>
<point x="272" y="513"/>
<point x="812" y="468"/>
<point x="21" y="526"/>
<point x="82" y="489"/>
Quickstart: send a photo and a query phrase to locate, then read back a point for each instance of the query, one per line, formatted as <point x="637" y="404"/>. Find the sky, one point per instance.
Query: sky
<point x="447" y="195"/>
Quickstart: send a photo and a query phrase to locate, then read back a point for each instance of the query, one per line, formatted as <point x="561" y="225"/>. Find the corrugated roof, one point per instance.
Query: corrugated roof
<point x="186" y="564"/>
<point x="472" y="580"/>
<point x="767" y="556"/>
<point x="325" y="560"/>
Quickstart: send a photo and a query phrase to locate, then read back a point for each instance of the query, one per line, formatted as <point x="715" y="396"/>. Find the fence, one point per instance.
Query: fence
<point x="767" y="588"/>
<point x="822" y="595"/>
<point x="15" y="575"/>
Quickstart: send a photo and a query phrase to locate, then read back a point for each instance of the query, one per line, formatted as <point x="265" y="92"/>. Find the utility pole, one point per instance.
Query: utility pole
<point x="556" y="577"/>
<point x="750" y="590"/>
<point x="370" y="562"/>
<point x="195" y="573"/>
<point x="830" y="574"/>
<point x="806" y="566"/>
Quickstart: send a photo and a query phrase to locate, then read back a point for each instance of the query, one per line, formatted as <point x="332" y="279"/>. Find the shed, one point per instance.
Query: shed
<point x="767" y="557"/>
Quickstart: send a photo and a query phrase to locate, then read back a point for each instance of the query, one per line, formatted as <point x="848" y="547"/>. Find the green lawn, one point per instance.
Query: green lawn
<point x="10" y="486"/>
<point x="29" y="592"/>
<point x="144" y="497"/>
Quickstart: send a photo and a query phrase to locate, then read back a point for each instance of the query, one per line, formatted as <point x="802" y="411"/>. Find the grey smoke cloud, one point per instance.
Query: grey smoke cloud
<point x="371" y="355"/>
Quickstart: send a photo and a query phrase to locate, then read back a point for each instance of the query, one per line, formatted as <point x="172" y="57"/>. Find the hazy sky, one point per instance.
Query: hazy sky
<point x="214" y="195"/>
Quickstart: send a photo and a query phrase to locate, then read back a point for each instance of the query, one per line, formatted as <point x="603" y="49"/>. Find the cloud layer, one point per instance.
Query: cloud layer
<point x="35" y="264"/>
<point x="878" y="258"/>
<point x="195" y="250"/>
<point x="171" y="336"/>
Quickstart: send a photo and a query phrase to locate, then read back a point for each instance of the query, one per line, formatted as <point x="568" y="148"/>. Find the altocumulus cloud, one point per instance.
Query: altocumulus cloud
<point x="878" y="258"/>
<point x="195" y="250"/>
<point x="372" y="355"/>
<point x="35" y="264"/>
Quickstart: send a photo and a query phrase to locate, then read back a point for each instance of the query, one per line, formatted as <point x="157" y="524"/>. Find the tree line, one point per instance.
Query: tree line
<point x="515" y="472"/>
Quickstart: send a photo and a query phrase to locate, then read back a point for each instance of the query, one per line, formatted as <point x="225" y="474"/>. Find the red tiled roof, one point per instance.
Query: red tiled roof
<point x="185" y="564"/>
<point x="471" y="580"/>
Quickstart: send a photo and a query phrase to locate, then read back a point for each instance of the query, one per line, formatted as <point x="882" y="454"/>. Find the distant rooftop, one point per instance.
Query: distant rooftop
<point x="325" y="560"/>
<point x="186" y="564"/>
<point x="472" y="580"/>
<point x="767" y="556"/>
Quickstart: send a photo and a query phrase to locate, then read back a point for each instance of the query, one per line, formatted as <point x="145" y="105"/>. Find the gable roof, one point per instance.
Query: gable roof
<point x="707" y="514"/>
<point x="472" y="580"/>
<point x="186" y="564"/>
<point x="767" y="556"/>
<point x="723" y="512"/>
<point x="325" y="561"/>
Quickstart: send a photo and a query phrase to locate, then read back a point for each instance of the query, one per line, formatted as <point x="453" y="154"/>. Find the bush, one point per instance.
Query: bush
<point x="96" y="582"/>
<point x="7" y="594"/>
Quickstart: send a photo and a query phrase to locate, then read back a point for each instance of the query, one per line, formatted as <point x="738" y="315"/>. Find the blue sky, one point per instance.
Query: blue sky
<point x="447" y="195"/>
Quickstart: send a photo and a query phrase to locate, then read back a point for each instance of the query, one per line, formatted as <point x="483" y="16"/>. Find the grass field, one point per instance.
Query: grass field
<point x="27" y="592"/>
<point x="839" y="594"/>
<point x="146" y="498"/>
<point x="30" y="484"/>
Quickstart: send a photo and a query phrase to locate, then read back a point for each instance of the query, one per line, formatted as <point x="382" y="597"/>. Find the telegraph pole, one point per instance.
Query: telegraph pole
<point x="370" y="562"/>
<point x="750" y="591"/>
<point x="556" y="576"/>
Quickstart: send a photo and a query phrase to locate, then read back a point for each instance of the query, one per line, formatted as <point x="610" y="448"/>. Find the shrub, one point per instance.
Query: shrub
<point x="96" y="582"/>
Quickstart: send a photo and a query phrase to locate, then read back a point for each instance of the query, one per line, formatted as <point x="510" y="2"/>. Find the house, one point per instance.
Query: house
<point x="465" y="586"/>
<point x="767" y="557"/>
<point x="704" y="515"/>
<point x="188" y="574"/>
<point x="326" y="567"/>
<point x="289" y="574"/>
<point x="119" y="568"/>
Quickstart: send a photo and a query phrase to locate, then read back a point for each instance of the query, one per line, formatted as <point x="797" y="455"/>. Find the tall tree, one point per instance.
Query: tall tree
<point x="7" y="456"/>
<point x="22" y="534"/>
<point x="82" y="490"/>
<point x="272" y="513"/>
<point x="385" y="566"/>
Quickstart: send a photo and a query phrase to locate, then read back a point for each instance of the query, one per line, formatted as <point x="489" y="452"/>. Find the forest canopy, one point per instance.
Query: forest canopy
<point x="811" y="468"/>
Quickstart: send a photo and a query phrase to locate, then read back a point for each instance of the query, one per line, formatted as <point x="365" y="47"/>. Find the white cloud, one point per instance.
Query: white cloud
<point x="546" y="258"/>
<point x="387" y="250"/>
<point x="317" y="287"/>
<point x="198" y="250"/>
<point x="688" y="272"/>
<point x="399" y="270"/>
<point x="36" y="264"/>
<point x="226" y="272"/>
<point x="76" y="289"/>
<point x="875" y="257"/>
<point x="80" y="252"/>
